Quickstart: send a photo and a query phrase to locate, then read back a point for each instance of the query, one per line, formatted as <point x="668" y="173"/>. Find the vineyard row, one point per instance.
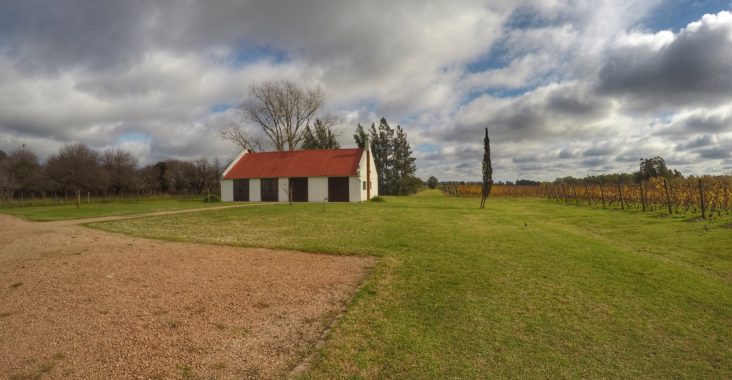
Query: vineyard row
<point x="709" y="196"/>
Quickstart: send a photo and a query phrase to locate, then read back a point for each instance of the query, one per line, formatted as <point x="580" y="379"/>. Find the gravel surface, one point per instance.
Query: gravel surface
<point x="81" y="303"/>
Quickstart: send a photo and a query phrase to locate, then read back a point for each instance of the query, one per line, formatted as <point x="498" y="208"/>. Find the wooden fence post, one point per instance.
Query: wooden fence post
<point x="668" y="200"/>
<point x="78" y="198"/>
<point x="701" y="198"/>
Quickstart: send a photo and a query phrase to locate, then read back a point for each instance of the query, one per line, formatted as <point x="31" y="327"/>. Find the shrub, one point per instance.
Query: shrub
<point x="377" y="199"/>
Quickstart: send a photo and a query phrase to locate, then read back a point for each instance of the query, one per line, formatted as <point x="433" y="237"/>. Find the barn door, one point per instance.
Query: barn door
<point x="269" y="189"/>
<point x="337" y="189"/>
<point x="299" y="188"/>
<point x="241" y="190"/>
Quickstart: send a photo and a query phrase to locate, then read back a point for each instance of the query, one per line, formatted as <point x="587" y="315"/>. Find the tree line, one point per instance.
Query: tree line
<point x="113" y="172"/>
<point x="286" y="118"/>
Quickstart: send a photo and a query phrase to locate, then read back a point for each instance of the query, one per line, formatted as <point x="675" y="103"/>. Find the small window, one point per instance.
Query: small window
<point x="363" y="186"/>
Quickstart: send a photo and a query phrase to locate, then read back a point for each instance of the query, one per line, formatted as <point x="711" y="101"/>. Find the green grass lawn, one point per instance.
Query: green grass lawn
<point x="96" y="209"/>
<point x="467" y="293"/>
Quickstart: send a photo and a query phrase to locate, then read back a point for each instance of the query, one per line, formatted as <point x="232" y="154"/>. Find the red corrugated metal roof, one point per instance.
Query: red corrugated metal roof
<point x="301" y="163"/>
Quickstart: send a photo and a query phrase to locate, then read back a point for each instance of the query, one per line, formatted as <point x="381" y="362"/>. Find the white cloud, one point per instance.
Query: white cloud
<point x="588" y="74"/>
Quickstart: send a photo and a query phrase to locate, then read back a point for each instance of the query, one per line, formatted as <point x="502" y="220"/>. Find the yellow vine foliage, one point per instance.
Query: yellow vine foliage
<point x="684" y="194"/>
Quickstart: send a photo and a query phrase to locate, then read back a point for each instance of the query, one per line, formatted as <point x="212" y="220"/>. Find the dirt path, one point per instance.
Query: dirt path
<point x="81" y="303"/>
<point x="156" y="213"/>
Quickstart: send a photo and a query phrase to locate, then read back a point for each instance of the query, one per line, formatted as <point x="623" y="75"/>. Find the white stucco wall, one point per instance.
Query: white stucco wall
<point x="362" y="174"/>
<point x="374" y="179"/>
<point x="255" y="190"/>
<point x="282" y="184"/>
<point x="227" y="190"/>
<point x="317" y="189"/>
<point x="354" y="190"/>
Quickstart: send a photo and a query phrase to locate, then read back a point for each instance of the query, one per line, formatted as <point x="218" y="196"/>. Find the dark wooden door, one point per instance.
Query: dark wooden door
<point x="241" y="190"/>
<point x="299" y="188"/>
<point x="269" y="189"/>
<point x="337" y="189"/>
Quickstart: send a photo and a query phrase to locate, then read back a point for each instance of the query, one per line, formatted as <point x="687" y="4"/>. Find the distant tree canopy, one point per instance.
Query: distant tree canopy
<point x="114" y="172"/>
<point x="527" y="182"/>
<point x="76" y="167"/>
<point x="393" y="158"/>
<point x="321" y="136"/>
<point x="432" y="182"/>
<point x="119" y="168"/>
<point x="655" y="167"/>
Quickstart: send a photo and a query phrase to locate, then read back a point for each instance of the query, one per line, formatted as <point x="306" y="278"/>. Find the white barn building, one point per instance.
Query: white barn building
<point x="335" y="175"/>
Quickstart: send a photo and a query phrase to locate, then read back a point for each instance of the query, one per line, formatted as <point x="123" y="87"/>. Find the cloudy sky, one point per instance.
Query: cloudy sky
<point x="565" y="87"/>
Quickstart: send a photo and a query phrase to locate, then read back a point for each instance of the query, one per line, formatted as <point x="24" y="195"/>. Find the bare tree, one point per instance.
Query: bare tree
<point x="282" y="110"/>
<point x="25" y="171"/>
<point x="120" y="168"/>
<point x="238" y="134"/>
<point x="75" y="167"/>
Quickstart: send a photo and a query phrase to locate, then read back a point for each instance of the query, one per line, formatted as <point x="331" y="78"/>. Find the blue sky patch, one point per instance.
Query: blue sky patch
<point x="428" y="148"/>
<point x="133" y="136"/>
<point x="675" y="15"/>
<point x="527" y="18"/>
<point x="245" y="55"/>
<point x="221" y="107"/>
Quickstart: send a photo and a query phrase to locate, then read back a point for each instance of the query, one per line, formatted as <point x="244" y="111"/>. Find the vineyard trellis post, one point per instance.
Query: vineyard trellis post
<point x="602" y="193"/>
<point x="701" y="198"/>
<point x="642" y="196"/>
<point x="589" y="196"/>
<point x="564" y="192"/>
<point x="668" y="200"/>
<point x="576" y="200"/>
<point x="620" y="191"/>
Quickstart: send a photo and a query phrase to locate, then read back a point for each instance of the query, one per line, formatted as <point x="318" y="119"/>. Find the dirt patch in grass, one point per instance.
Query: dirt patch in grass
<point x="101" y="305"/>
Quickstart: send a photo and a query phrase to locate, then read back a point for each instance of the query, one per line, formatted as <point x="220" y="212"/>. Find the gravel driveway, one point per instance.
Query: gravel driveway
<point x="82" y="303"/>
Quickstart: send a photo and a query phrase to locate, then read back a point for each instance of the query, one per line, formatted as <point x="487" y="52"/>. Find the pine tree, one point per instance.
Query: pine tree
<point x="320" y="138"/>
<point x="487" y="170"/>
<point x="392" y="158"/>
<point x="382" y="143"/>
<point x="360" y="136"/>
<point x="404" y="181"/>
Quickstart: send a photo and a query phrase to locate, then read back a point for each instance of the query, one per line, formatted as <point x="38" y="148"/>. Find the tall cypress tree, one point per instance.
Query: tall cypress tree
<point x="487" y="169"/>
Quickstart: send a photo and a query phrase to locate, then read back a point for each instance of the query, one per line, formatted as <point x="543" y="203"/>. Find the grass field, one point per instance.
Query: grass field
<point x="96" y="209"/>
<point x="463" y="293"/>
